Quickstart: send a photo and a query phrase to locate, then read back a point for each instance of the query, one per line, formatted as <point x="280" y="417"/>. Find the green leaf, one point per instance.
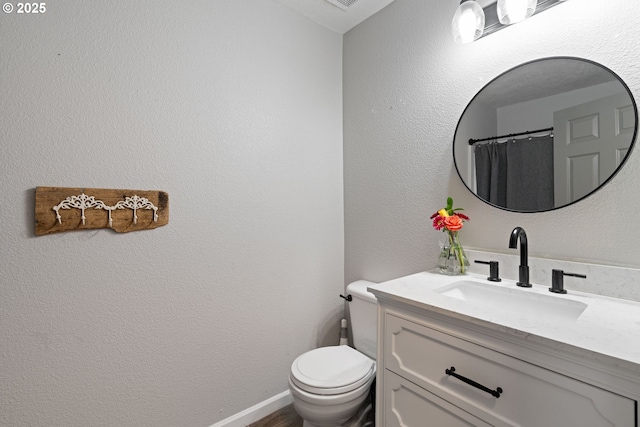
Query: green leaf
<point x="449" y="207"/>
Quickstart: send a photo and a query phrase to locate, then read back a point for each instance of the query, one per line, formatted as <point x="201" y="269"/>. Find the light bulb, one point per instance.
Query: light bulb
<point x="468" y="22"/>
<point x="512" y="11"/>
<point x="467" y="26"/>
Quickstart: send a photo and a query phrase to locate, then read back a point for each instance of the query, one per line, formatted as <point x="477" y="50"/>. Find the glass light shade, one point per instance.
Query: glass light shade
<point x="512" y="11"/>
<point x="468" y="22"/>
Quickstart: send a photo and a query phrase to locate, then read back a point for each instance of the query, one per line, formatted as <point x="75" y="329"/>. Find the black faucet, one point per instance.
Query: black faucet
<point x="523" y="276"/>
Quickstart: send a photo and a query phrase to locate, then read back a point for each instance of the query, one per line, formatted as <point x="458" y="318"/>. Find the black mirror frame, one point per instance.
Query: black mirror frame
<point x="626" y="157"/>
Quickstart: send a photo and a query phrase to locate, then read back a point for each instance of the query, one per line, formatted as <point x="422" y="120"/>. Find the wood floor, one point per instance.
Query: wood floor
<point x="285" y="417"/>
<point x="288" y="417"/>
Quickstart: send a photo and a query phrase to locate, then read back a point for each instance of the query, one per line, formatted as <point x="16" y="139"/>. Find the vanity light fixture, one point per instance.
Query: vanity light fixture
<point x="468" y="22"/>
<point x="495" y="16"/>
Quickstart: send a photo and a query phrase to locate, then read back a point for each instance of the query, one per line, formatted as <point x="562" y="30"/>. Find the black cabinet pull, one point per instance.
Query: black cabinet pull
<point x="495" y="393"/>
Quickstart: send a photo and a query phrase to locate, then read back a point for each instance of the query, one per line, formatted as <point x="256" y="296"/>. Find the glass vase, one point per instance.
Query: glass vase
<point x="452" y="261"/>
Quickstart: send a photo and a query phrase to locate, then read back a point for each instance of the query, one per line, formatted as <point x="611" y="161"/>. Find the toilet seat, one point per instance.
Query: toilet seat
<point x="331" y="370"/>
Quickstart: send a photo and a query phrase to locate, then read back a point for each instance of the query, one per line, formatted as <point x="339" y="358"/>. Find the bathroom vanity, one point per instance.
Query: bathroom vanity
<point x="463" y="351"/>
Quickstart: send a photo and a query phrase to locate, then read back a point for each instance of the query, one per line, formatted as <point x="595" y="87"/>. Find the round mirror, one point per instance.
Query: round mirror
<point x="545" y="134"/>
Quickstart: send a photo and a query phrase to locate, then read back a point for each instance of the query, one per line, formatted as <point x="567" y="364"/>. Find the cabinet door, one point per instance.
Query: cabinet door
<point x="531" y="396"/>
<point x="407" y="405"/>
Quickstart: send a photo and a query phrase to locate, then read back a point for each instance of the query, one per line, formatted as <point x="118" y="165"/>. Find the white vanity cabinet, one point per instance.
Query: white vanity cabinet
<point x="418" y="354"/>
<point x="511" y="380"/>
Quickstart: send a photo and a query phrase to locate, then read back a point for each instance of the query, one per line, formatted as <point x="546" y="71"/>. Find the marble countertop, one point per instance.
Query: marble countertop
<point x="608" y="329"/>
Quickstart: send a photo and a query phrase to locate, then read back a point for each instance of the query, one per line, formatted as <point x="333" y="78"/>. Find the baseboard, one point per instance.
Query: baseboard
<point x="256" y="412"/>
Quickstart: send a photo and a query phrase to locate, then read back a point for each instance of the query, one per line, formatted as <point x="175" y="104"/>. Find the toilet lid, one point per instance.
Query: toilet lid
<point x="331" y="370"/>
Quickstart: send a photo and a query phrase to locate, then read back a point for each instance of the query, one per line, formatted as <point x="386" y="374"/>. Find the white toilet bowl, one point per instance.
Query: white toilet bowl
<point x="330" y="384"/>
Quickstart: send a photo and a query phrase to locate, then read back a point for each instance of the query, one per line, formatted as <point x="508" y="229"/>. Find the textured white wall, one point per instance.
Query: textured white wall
<point x="234" y="107"/>
<point x="405" y="86"/>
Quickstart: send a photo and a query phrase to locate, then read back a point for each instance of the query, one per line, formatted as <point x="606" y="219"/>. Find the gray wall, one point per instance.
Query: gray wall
<point x="406" y="83"/>
<point x="234" y="107"/>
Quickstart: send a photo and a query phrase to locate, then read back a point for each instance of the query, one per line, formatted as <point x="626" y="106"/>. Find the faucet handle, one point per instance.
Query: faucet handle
<point x="557" y="280"/>
<point x="494" y="275"/>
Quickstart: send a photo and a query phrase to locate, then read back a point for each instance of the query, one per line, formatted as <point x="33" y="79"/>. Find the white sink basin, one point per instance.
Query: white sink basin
<point x="516" y="300"/>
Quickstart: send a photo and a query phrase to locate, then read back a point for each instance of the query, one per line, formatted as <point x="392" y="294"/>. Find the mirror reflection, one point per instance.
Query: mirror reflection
<point x="545" y="134"/>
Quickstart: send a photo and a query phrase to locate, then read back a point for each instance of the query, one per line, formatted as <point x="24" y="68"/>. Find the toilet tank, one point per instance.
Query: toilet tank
<point x="363" y="309"/>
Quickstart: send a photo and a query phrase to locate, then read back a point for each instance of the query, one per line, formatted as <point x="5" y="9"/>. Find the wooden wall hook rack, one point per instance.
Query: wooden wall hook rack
<point x="65" y="209"/>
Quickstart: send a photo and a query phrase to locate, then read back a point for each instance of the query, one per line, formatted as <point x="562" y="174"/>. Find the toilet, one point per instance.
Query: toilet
<point x="330" y="385"/>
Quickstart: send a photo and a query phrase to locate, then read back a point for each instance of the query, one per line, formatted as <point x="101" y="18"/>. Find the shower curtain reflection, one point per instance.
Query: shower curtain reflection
<point x="517" y="174"/>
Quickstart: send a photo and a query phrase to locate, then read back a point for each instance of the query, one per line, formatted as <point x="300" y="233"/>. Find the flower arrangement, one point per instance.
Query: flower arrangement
<point x="452" y="257"/>
<point x="447" y="219"/>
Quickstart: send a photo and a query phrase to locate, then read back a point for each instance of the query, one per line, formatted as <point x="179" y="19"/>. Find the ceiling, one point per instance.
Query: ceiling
<point x="334" y="17"/>
<point x="343" y="18"/>
<point x="543" y="78"/>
